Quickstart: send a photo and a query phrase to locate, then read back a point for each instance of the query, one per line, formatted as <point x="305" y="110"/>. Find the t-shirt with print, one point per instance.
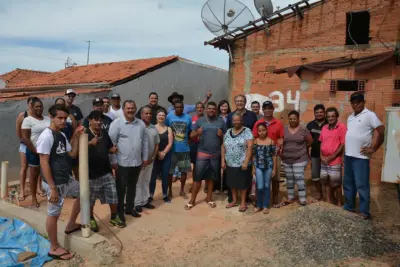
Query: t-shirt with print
<point x="181" y="127"/>
<point x="56" y="145"/>
<point x="236" y="147"/>
<point x="210" y="142"/>
<point x="154" y="138"/>
<point x="315" y="130"/>
<point x="99" y="162"/>
<point x="295" y="146"/>
<point x="36" y="126"/>
<point x="76" y="112"/>
<point x="105" y="126"/>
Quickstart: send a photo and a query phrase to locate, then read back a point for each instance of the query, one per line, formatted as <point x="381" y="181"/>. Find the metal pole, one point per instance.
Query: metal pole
<point x="4" y="179"/>
<point x="88" y="53"/>
<point x="84" y="184"/>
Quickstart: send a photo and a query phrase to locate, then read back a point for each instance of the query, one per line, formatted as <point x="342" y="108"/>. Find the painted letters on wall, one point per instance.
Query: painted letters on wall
<point x="278" y="98"/>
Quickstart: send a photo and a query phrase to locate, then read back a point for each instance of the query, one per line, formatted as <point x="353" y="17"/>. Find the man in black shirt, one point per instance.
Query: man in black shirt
<point x="101" y="181"/>
<point x="70" y="95"/>
<point x="153" y="104"/>
<point x="315" y="128"/>
<point x="98" y="105"/>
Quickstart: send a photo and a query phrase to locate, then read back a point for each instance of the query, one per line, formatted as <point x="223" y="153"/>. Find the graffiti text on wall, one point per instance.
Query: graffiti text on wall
<point x="278" y="98"/>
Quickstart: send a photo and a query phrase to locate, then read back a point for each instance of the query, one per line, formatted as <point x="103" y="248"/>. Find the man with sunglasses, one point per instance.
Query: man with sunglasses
<point x="365" y="135"/>
<point x="70" y="95"/>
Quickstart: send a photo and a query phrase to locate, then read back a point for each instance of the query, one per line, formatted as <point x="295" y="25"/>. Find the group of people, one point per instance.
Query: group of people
<point x="130" y="149"/>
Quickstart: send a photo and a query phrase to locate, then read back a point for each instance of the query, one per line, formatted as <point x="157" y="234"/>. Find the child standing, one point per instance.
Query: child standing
<point x="264" y="155"/>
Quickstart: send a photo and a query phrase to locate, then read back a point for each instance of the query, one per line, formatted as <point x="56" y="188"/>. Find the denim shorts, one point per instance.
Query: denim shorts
<point x="207" y="168"/>
<point x="70" y="189"/>
<point x="22" y="148"/>
<point x="33" y="159"/>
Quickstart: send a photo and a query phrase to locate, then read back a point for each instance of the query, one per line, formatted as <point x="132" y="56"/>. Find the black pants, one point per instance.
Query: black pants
<point x="127" y="178"/>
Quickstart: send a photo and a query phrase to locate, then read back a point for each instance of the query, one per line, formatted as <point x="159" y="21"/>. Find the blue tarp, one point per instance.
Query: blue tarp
<point x="16" y="237"/>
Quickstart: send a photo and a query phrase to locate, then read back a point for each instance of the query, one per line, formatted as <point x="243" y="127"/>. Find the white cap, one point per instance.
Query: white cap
<point x="70" y="91"/>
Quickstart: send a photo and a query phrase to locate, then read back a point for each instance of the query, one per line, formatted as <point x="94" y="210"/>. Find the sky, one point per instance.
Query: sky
<point x="42" y="34"/>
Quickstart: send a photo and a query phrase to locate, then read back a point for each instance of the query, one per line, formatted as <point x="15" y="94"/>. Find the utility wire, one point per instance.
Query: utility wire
<point x="35" y="56"/>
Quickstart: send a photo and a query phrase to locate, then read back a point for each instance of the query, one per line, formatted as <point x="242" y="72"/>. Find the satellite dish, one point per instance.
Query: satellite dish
<point x="264" y="7"/>
<point x="222" y="16"/>
<point x="2" y="84"/>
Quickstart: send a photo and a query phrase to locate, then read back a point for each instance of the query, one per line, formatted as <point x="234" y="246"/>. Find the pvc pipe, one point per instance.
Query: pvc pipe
<point x="4" y="179"/>
<point x="84" y="184"/>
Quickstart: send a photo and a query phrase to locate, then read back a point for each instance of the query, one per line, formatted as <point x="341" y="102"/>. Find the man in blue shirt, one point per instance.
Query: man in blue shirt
<point x="181" y="125"/>
<point x="249" y="117"/>
<point x="186" y="108"/>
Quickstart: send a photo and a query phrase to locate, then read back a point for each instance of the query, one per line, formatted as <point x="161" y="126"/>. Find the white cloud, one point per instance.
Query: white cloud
<point x="41" y="34"/>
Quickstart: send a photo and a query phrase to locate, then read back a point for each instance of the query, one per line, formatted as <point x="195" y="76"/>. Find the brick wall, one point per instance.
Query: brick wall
<point x="319" y="36"/>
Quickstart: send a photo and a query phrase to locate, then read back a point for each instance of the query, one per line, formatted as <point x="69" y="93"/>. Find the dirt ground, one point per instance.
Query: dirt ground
<point x="171" y="236"/>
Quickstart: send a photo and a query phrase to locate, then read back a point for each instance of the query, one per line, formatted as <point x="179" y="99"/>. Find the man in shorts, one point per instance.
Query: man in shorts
<point x="55" y="151"/>
<point x="210" y="130"/>
<point x="143" y="184"/>
<point x="181" y="125"/>
<point x="332" y="140"/>
<point x="101" y="181"/>
<point x="315" y="128"/>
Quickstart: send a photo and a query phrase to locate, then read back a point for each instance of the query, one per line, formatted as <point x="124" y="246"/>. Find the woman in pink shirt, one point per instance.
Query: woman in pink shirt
<point x="332" y="146"/>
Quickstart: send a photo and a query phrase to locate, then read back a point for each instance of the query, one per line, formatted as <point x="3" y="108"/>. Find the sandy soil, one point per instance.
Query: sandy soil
<point x="171" y="236"/>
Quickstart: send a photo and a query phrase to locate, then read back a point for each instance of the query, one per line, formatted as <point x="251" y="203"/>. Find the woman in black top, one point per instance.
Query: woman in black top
<point x="163" y="161"/>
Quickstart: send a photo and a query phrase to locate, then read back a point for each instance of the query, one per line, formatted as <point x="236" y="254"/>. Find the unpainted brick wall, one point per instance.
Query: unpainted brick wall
<point x="320" y="36"/>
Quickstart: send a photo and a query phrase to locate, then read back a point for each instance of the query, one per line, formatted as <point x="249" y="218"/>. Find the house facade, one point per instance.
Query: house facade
<point x="319" y="53"/>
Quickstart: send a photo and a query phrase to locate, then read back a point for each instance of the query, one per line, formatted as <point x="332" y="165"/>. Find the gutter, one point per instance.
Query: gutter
<point x="63" y="86"/>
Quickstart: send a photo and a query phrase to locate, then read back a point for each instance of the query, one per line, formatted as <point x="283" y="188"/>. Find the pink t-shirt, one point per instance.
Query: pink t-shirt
<point x="331" y="140"/>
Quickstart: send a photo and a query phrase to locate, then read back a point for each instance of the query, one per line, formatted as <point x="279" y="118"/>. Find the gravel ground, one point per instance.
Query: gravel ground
<point x="319" y="234"/>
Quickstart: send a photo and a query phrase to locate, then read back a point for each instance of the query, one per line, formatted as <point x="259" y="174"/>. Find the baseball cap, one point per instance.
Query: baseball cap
<point x="267" y="104"/>
<point x="97" y="101"/>
<point x="115" y="95"/>
<point x="357" y="96"/>
<point x="70" y="91"/>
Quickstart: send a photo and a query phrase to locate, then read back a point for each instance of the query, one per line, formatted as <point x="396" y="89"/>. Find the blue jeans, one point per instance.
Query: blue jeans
<point x="263" y="181"/>
<point x="356" y="179"/>
<point x="160" y="167"/>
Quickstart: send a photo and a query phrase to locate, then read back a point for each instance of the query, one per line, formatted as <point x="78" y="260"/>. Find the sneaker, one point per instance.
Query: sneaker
<point x="138" y="209"/>
<point x="148" y="206"/>
<point x="133" y="213"/>
<point x="93" y="225"/>
<point x="117" y="222"/>
<point x="167" y="200"/>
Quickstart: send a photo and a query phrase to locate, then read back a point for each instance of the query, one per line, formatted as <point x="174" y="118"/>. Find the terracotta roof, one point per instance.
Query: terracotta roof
<point x="104" y="73"/>
<point x="18" y="76"/>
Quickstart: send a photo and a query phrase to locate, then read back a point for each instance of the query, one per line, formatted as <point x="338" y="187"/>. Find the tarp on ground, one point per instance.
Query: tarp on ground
<point x="16" y="237"/>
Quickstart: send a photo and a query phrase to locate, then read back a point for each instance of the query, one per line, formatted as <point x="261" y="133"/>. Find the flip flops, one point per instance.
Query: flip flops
<point x="73" y="230"/>
<point x="242" y="209"/>
<point x="59" y="257"/>
<point x="211" y="204"/>
<point x="231" y="205"/>
<point x="188" y="206"/>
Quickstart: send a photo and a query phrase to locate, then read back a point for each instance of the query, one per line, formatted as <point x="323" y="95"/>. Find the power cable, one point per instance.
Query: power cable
<point x="119" y="240"/>
<point x="35" y="56"/>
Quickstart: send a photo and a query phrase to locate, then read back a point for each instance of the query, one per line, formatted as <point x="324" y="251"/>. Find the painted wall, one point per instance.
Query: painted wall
<point x="193" y="80"/>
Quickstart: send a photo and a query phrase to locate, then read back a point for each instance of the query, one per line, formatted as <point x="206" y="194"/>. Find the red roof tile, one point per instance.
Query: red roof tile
<point x="18" y="76"/>
<point x="106" y="73"/>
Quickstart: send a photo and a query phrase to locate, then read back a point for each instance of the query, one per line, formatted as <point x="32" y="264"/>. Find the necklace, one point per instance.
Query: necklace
<point x="97" y="135"/>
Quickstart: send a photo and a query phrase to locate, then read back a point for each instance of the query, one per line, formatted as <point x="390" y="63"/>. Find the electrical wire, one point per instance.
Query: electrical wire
<point x="119" y="240"/>
<point x="35" y="56"/>
<point x="351" y="37"/>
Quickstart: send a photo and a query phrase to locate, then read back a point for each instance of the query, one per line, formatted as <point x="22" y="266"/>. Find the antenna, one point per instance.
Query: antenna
<point x="70" y="63"/>
<point x="88" y="52"/>
<point x="2" y="84"/>
<point x="222" y="16"/>
<point x="264" y="7"/>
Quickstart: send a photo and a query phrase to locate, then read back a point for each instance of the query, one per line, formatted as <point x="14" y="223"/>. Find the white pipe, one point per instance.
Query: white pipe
<point x="84" y="184"/>
<point x="4" y="179"/>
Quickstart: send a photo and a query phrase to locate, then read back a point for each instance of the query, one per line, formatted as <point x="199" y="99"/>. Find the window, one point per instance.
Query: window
<point x="349" y="86"/>
<point x="357" y="28"/>
<point x="396" y="104"/>
<point x="398" y="58"/>
<point x="396" y="85"/>
<point x="333" y="86"/>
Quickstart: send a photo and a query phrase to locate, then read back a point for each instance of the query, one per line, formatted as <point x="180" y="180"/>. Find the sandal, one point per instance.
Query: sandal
<point x="243" y="209"/>
<point x="257" y="210"/>
<point x="211" y="204"/>
<point x="60" y="257"/>
<point x="73" y="230"/>
<point x="266" y="211"/>
<point x="42" y="194"/>
<point x="231" y="205"/>
<point x="188" y="206"/>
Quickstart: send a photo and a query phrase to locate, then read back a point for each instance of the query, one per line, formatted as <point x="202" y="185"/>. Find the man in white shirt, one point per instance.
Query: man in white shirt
<point x="107" y="106"/>
<point x="116" y="108"/>
<point x="365" y="134"/>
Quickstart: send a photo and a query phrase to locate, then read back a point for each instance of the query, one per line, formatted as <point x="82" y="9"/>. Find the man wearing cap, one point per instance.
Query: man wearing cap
<point x="365" y="134"/>
<point x="186" y="108"/>
<point x="275" y="132"/>
<point x="70" y="95"/>
<point x="98" y="105"/>
<point x="153" y="104"/>
<point x="116" y="106"/>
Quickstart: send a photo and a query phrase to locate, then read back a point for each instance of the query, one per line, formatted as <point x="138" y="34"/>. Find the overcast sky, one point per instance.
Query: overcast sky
<point x="41" y="34"/>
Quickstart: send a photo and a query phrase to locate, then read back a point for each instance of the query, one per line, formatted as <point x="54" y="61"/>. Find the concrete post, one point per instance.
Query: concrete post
<point x="4" y="179"/>
<point x="84" y="184"/>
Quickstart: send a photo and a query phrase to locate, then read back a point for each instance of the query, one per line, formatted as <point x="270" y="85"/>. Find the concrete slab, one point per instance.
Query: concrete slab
<point x="96" y="248"/>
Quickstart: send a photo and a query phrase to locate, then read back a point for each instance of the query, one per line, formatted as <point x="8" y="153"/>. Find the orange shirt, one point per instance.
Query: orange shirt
<point x="275" y="129"/>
